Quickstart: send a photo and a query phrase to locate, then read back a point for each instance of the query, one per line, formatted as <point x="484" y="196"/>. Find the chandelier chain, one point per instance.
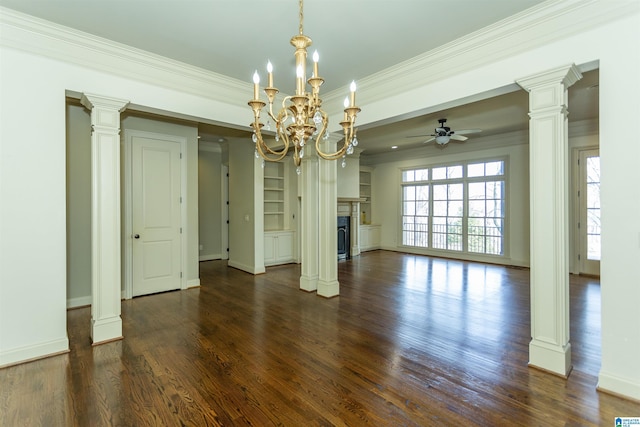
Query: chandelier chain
<point x="301" y="16"/>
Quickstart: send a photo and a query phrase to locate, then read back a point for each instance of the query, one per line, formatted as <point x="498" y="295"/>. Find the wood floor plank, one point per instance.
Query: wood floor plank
<point x="410" y="341"/>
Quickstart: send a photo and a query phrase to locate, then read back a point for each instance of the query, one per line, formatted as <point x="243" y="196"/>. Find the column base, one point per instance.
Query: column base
<point x="551" y="358"/>
<point x="309" y="283"/>
<point x="106" y="330"/>
<point x="328" y="289"/>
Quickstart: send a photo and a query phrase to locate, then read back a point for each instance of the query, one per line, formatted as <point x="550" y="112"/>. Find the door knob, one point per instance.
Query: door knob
<point x="136" y="236"/>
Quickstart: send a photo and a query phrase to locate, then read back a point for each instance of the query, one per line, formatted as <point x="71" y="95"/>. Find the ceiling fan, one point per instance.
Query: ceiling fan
<point x="443" y="134"/>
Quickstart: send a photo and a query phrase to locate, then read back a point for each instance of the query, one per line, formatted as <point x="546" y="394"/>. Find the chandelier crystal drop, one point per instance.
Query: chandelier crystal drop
<point x="301" y="119"/>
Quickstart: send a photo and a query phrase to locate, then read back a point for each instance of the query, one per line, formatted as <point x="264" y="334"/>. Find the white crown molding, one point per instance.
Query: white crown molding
<point x="539" y="25"/>
<point x="549" y="21"/>
<point x="31" y="34"/>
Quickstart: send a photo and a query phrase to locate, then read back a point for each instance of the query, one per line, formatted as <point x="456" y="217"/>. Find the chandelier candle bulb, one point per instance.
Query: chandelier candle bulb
<point x="346" y="105"/>
<point x="270" y="71"/>
<point x="316" y="57"/>
<point x="256" y="85"/>
<point x="353" y="93"/>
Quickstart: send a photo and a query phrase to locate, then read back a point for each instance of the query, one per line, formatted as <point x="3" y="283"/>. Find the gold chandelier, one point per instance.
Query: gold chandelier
<point x="301" y="117"/>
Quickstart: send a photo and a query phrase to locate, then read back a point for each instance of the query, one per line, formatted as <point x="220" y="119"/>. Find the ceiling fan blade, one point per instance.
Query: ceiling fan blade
<point x="468" y="131"/>
<point x="458" y="137"/>
<point x="429" y="140"/>
<point x="419" y="136"/>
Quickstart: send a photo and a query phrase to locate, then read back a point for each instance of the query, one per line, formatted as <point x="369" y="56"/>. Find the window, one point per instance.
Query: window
<point x="456" y="208"/>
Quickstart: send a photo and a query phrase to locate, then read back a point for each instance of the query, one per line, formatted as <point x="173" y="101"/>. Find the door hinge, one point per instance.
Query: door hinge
<point x="180" y="230"/>
<point x="180" y="155"/>
<point x="578" y="257"/>
<point x="578" y="226"/>
<point x="181" y="274"/>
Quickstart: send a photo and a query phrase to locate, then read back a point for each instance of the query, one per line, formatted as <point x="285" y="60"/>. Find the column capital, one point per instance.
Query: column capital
<point x="566" y="75"/>
<point x="90" y="101"/>
<point x="105" y="111"/>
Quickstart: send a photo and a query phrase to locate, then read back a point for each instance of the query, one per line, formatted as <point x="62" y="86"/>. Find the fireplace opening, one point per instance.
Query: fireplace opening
<point x="344" y="241"/>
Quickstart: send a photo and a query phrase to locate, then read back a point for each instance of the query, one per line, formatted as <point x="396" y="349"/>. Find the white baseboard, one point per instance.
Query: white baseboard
<point x="247" y="268"/>
<point x="620" y="386"/>
<point x="210" y="257"/>
<point x="34" y="352"/>
<point x="79" y="302"/>
<point x="193" y="283"/>
<point x="84" y="301"/>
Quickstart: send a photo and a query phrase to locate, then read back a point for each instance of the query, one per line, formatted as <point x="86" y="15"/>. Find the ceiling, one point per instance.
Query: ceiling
<point x="355" y="38"/>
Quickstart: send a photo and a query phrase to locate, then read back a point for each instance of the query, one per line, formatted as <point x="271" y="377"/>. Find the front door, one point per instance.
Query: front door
<point x="156" y="221"/>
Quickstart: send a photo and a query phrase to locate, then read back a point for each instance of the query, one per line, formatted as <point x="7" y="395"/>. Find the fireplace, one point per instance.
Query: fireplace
<point x="344" y="241"/>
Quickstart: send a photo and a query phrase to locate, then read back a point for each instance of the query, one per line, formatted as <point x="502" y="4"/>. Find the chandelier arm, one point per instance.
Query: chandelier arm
<point x="270" y="155"/>
<point x="329" y="156"/>
<point x="264" y="150"/>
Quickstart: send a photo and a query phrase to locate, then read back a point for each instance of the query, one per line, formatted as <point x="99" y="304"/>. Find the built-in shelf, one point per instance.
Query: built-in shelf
<point x="365" y="196"/>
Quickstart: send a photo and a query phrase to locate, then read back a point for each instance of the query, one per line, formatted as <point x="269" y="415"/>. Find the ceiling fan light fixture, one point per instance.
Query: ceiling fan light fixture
<point x="442" y="139"/>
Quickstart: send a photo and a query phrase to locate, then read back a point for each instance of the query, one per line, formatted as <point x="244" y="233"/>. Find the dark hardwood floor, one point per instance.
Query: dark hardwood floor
<point x="411" y="341"/>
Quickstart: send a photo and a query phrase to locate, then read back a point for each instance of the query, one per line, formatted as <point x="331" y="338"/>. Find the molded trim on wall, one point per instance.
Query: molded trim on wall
<point x="210" y="257"/>
<point x="79" y="302"/>
<point x="619" y="386"/>
<point x="247" y="268"/>
<point x="85" y="301"/>
<point x="534" y="27"/>
<point x="34" y="352"/>
<point x="505" y="261"/>
<point x="31" y="34"/>
<point x="193" y="283"/>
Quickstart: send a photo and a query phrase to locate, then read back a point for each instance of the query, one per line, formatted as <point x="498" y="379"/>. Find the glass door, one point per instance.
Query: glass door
<point x="589" y="205"/>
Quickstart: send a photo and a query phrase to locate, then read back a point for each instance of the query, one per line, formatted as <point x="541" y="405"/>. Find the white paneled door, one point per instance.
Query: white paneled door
<point x="156" y="218"/>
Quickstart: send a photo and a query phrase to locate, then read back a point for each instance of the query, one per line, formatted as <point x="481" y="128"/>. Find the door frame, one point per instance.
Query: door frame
<point x="127" y="204"/>
<point x="224" y="224"/>
<point x="577" y="259"/>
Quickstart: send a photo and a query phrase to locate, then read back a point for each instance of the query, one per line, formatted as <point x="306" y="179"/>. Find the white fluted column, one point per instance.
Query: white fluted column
<point x="328" y="285"/>
<point x="549" y="348"/>
<point x="106" y="323"/>
<point x="309" y="222"/>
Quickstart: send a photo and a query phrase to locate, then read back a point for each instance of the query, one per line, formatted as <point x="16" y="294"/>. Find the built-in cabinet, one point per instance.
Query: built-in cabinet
<point x="278" y="247"/>
<point x="369" y="237"/>
<point x="279" y="241"/>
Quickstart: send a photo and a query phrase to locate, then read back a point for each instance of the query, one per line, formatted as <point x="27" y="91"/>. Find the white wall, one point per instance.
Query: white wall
<point x="348" y="177"/>
<point x="79" y="197"/>
<point x="32" y="150"/>
<point x="78" y="205"/>
<point x="33" y="171"/>
<point x="387" y="196"/>
<point x="210" y="203"/>
<point x="246" y="221"/>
